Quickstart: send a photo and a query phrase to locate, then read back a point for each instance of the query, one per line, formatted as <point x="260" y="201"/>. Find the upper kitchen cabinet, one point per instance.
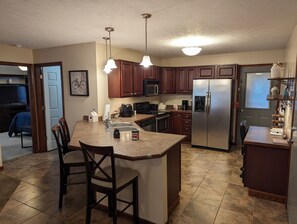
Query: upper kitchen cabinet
<point x="168" y="80"/>
<point x="152" y="72"/>
<point x="205" y="72"/>
<point x="125" y="80"/>
<point x="226" y="72"/>
<point x="184" y="79"/>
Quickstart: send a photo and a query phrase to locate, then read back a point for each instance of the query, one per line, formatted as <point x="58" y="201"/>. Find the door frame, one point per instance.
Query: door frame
<point x="239" y="91"/>
<point x="40" y="106"/>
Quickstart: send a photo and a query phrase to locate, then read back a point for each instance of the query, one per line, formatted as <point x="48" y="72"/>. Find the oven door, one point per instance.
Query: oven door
<point x="162" y="123"/>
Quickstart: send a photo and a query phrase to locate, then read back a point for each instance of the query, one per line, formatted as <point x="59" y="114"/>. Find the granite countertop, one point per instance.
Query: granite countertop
<point x="149" y="145"/>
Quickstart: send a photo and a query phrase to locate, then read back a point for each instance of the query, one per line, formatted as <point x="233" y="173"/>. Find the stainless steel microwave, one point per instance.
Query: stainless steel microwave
<point x="151" y="87"/>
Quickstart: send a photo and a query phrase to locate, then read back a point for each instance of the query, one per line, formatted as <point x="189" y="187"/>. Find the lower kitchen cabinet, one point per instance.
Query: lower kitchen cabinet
<point x="266" y="165"/>
<point x="181" y="123"/>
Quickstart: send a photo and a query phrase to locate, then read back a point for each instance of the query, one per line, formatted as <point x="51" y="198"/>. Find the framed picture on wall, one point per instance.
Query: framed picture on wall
<point x="79" y="83"/>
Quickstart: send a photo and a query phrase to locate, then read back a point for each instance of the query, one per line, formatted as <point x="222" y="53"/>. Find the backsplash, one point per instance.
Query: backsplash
<point x="171" y="99"/>
<point x="168" y="99"/>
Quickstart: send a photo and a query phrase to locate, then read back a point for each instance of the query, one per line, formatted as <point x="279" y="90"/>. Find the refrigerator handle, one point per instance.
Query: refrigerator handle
<point x="207" y="103"/>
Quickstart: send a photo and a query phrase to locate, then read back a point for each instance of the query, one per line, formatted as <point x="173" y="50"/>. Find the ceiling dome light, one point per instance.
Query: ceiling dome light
<point x="146" y="60"/>
<point x="191" y="51"/>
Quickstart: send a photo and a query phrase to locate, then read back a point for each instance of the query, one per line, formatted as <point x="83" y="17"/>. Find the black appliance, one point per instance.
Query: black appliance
<point x="151" y="87"/>
<point x="185" y="104"/>
<point x="161" y="120"/>
<point x="126" y="110"/>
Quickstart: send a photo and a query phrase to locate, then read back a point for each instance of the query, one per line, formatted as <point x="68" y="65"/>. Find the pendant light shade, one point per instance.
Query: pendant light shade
<point x="110" y="63"/>
<point x="146" y="60"/>
<point x="106" y="69"/>
<point x="191" y="51"/>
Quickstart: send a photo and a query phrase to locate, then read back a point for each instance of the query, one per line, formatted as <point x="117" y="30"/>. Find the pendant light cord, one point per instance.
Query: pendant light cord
<point x="145" y="35"/>
<point x="109" y="44"/>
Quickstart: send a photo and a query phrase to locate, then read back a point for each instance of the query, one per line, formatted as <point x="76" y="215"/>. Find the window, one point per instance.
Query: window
<point x="257" y="89"/>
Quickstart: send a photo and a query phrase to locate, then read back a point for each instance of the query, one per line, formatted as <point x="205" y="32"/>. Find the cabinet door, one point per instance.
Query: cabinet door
<point x="206" y="72"/>
<point x="155" y="72"/>
<point x="176" y="123"/>
<point x="126" y="78"/>
<point x="192" y="73"/>
<point x="168" y="80"/>
<point x="138" y="80"/>
<point x="226" y="72"/>
<point x="181" y="80"/>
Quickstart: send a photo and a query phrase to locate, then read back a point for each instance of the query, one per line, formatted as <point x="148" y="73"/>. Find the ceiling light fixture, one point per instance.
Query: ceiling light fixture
<point x="110" y="62"/>
<point x="106" y="69"/>
<point x="146" y="60"/>
<point x="23" y="68"/>
<point x="191" y="51"/>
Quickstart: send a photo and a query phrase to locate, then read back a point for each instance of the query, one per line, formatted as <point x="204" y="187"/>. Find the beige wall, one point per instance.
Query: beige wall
<point x="243" y="58"/>
<point x="16" y="54"/>
<point x="74" y="57"/>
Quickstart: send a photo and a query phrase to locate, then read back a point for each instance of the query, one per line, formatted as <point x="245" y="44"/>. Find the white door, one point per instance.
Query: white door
<point x="53" y="101"/>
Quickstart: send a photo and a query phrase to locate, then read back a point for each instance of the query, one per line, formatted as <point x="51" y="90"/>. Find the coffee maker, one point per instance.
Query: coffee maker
<point x="185" y="104"/>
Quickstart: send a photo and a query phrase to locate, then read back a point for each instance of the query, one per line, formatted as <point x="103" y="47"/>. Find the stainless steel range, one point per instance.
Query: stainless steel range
<point x="161" y="121"/>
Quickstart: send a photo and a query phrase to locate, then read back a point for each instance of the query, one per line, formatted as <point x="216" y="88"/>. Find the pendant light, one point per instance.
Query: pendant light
<point x="146" y="60"/>
<point x="110" y="62"/>
<point x="106" y="69"/>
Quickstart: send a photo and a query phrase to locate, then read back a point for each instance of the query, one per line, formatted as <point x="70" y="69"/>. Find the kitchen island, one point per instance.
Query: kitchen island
<point x="157" y="156"/>
<point x="266" y="164"/>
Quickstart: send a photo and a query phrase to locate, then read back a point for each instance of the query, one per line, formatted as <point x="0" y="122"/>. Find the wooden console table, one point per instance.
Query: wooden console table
<point x="266" y="164"/>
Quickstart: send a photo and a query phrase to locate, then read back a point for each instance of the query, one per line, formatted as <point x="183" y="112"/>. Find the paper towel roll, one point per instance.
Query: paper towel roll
<point x="106" y="112"/>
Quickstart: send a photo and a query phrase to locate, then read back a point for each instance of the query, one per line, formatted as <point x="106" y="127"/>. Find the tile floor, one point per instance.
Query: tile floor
<point x="212" y="192"/>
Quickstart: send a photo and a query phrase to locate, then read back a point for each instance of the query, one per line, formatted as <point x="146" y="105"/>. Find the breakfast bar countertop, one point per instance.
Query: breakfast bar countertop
<point x="149" y="145"/>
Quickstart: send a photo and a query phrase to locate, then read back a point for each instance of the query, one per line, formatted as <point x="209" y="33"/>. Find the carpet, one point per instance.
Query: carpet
<point x="8" y="186"/>
<point x="11" y="147"/>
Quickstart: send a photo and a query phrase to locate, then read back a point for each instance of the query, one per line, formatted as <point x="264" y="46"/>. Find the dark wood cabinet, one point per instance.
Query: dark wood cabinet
<point x="152" y="72"/>
<point x="126" y="80"/>
<point x="181" y="123"/>
<point x="176" y="122"/>
<point x="192" y="73"/>
<point x="184" y="79"/>
<point x="266" y="165"/>
<point x="168" y="80"/>
<point x="227" y="71"/>
<point x="187" y="125"/>
<point x="206" y="72"/>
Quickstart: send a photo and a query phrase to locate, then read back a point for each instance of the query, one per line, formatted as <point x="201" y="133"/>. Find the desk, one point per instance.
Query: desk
<point x="156" y="156"/>
<point x="266" y="164"/>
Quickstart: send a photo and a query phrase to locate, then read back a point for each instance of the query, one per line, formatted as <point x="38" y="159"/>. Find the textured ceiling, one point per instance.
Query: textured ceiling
<point x="231" y="25"/>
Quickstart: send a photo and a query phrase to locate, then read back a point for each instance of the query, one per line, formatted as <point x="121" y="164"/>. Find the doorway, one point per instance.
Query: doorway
<point x="49" y="101"/>
<point x="254" y="88"/>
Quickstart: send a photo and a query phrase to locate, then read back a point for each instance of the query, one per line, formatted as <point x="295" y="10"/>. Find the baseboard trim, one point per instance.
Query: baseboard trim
<point x="268" y="196"/>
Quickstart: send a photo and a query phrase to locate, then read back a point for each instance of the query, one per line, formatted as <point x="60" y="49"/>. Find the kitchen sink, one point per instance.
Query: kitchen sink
<point x="126" y="128"/>
<point x="121" y="124"/>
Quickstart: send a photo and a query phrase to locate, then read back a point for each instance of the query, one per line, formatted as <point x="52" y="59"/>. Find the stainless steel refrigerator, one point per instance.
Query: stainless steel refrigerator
<point x="211" y="113"/>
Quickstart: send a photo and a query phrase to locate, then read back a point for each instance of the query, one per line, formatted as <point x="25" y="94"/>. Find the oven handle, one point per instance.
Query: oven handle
<point x="162" y="117"/>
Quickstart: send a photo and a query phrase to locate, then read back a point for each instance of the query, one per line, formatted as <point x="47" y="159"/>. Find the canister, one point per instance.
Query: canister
<point x="135" y="135"/>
